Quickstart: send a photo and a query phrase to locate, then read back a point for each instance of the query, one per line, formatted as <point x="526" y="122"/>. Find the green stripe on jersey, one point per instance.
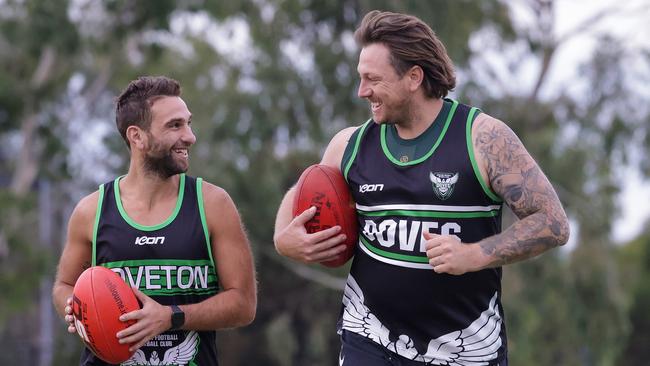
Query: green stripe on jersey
<point x="98" y="213"/>
<point x="455" y="215"/>
<point x="474" y="112"/>
<point x="350" y="153"/>
<point x="130" y="221"/>
<point x="397" y="256"/>
<point x="430" y="210"/>
<point x="395" y="161"/>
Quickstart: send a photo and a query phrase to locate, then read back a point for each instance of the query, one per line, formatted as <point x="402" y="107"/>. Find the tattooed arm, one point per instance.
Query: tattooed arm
<point x="513" y="174"/>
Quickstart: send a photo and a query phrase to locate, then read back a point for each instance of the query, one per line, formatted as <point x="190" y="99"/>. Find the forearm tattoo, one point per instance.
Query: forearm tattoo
<point x="516" y="177"/>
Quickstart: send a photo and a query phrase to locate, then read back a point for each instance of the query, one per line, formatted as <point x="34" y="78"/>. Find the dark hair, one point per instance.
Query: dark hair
<point x="134" y="104"/>
<point x="411" y="42"/>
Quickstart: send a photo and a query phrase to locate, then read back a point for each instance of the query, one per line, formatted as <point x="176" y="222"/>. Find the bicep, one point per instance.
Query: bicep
<point x="77" y="251"/>
<point x="510" y="170"/>
<point x="334" y="152"/>
<point x="230" y="245"/>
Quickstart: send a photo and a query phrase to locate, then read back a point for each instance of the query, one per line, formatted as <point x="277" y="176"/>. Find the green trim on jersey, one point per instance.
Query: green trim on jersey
<point x="395" y="161"/>
<point x="470" y="148"/>
<point x="168" y="277"/>
<point x="439" y="214"/>
<point x="204" y="224"/>
<point x="98" y="213"/>
<point x="348" y="160"/>
<point x="125" y="216"/>
<point x="399" y="257"/>
<point x="417" y="147"/>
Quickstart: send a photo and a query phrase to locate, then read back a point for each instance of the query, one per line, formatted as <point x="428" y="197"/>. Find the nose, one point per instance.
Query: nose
<point x="364" y="91"/>
<point x="188" y="136"/>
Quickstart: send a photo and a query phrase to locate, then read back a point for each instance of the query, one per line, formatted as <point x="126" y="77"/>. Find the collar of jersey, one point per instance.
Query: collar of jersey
<point x="130" y="221"/>
<point x="395" y="161"/>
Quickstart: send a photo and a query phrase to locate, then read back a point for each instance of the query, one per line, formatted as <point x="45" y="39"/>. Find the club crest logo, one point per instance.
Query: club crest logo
<point x="443" y="183"/>
<point x="177" y="351"/>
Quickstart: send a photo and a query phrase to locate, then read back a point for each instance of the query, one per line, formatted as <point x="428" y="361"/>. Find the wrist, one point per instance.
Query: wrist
<point x="482" y="259"/>
<point x="177" y="317"/>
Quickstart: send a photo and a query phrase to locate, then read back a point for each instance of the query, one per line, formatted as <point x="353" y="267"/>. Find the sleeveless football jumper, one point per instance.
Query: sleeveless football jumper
<point x="392" y="295"/>
<point x="171" y="262"/>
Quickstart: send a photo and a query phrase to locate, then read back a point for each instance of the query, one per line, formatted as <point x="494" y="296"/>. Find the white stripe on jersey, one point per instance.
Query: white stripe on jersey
<point x="428" y="208"/>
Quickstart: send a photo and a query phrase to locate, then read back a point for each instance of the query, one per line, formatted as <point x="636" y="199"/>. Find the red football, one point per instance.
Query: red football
<point x="99" y="297"/>
<point x="324" y="187"/>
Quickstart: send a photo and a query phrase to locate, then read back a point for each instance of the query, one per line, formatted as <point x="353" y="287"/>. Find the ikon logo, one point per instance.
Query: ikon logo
<point x="149" y="240"/>
<point x="371" y="188"/>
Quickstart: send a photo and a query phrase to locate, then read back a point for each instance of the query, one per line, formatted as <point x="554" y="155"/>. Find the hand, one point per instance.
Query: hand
<point x="151" y="320"/>
<point x="69" y="318"/>
<point x="447" y="254"/>
<point x="294" y="241"/>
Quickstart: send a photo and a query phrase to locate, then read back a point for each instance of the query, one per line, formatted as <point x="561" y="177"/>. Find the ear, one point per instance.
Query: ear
<point x="137" y="137"/>
<point x="415" y="76"/>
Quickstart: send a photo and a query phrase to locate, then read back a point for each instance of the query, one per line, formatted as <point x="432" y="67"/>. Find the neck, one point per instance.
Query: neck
<point x="146" y="187"/>
<point x="421" y="115"/>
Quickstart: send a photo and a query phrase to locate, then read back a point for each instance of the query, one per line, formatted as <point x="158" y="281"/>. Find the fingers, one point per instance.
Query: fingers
<point x="329" y="254"/>
<point x="325" y="250"/>
<point x="135" y="336"/>
<point x="71" y="323"/>
<point x="150" y="322"/>
<point x="127" y="335"/>
<point x="305" y="216"/>
<point x="325" y="234"/>
<point x="433" y="241"/>
<point x="436" y="251"/>
<point x="136" y="314"/>
<point x="139" y="294"/>
<point x="428" y="236"/>
<point x="69" y="317"/>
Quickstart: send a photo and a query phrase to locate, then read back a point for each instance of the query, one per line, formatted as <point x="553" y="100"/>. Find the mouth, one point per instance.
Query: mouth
<point x="374" y="106"/>
<point x="181" y="152"/>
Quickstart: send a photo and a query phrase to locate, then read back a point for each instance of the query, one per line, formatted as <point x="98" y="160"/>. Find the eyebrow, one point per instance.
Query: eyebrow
<point x="174" y="120"/>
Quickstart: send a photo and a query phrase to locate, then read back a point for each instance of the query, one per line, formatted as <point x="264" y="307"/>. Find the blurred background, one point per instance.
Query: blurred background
<point x="269" y="82"/>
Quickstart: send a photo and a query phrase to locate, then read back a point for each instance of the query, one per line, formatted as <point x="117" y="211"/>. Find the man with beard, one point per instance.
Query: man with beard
<point x="177" y="240"/>
<point x="425" y="283"/>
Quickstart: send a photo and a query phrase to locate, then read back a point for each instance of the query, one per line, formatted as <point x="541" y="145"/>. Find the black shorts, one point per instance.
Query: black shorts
<point x="357" y="350"/>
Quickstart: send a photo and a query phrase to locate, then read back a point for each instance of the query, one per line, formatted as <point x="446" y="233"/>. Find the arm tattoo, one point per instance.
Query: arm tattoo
<point x="514" y="175"/>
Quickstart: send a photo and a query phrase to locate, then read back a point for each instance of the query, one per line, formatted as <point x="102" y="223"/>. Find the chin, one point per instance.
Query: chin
<point x="383" y="122"/>
<point x="378" y="119"/>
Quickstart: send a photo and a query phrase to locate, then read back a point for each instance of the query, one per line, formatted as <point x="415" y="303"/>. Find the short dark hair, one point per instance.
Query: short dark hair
<point x="411" y="42"/>
<point x="134" y="104"/>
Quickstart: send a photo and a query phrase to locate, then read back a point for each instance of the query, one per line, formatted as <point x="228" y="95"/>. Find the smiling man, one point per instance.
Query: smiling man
<point x="177" y="240"/>
<point x="425" y="283"/>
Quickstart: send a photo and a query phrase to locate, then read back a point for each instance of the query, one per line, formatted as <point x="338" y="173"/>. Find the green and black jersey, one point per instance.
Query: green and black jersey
<point x="171" y="262"/>
<point x="393" y="296"/>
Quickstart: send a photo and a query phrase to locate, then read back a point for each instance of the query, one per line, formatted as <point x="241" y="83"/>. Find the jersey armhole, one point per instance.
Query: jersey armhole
<point x="98" y="212"/>
<point x="204" y="224"/>
<point x="473" y="113"/>
<point x="351" y="149"/>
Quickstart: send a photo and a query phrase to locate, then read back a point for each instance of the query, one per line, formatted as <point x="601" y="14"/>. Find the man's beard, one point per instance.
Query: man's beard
<point x="163" y="166"/>
<point x="400" y="112"/>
